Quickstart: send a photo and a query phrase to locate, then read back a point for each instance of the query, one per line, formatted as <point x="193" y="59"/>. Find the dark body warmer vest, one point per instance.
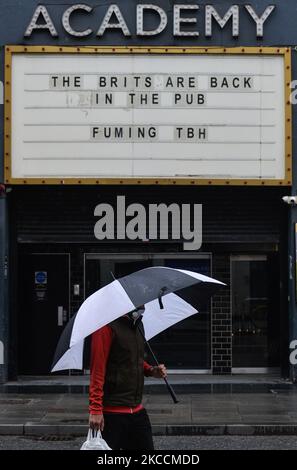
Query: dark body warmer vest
<point x="124" y="378"/>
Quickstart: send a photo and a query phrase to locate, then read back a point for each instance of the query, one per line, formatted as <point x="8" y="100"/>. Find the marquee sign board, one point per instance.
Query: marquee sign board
<point x="147" y="116"/>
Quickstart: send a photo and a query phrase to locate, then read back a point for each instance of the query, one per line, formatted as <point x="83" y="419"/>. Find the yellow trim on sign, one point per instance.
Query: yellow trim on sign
<point x="7" y="119"/>
<point x="12" y="49"/>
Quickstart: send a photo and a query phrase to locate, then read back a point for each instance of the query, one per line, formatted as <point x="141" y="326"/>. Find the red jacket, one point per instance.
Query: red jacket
<point x="101" y="344"/>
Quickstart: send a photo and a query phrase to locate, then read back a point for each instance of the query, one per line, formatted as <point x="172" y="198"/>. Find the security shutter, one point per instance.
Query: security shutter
<point x="232" y="214"/>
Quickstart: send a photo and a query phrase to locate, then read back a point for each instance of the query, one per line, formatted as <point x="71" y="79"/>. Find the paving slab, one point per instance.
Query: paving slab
<point x="267" y="419"/>
<point x="9" y="429"/>
<point x="248" y="412"/>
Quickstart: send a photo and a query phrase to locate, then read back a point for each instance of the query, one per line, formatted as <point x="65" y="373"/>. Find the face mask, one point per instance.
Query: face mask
<point x="136" y="314"/>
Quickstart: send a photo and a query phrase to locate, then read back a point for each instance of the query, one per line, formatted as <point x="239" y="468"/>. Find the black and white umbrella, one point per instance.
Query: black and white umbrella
<point x="169" y="295"/>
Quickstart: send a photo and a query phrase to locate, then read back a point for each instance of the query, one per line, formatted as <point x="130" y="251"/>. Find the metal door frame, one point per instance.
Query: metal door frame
<point x="69" y="275"/>
<point x="248" y="370"/>
<point x="69" y="278"/>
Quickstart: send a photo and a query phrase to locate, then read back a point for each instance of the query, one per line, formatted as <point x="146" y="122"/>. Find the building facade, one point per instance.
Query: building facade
<point x="112" y="109"/>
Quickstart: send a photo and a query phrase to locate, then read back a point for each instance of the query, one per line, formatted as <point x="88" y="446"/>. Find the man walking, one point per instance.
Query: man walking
<point x="116" y="384"/>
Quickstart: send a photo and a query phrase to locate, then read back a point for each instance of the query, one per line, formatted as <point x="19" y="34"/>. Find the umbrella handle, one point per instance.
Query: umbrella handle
<point x="171" y="391"/>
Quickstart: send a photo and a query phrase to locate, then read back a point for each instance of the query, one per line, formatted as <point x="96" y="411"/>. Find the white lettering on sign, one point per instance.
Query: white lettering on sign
<point x="66" y="20"/>
<point x="183" y="16"/>
<point x="210" y="13"/>
<point x="179" y="20"/>
<point x="260" y="20"/>
<point x="117" y="116"/>
<point x="121" y="24"/>
<point x="41" y="13"/>
<point x="140" y="20"/>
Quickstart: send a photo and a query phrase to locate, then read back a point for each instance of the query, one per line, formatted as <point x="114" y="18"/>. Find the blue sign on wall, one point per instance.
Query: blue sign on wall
<point x="40" y="277"/>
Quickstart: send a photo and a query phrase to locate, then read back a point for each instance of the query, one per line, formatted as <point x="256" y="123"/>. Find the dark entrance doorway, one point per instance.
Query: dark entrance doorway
<point x="43" y="309"/>
<point x="185" y="346"/>
<point x="255" y="313"/>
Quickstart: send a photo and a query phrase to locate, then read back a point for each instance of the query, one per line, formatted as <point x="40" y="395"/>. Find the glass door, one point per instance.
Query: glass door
<point x="255" y="314"/>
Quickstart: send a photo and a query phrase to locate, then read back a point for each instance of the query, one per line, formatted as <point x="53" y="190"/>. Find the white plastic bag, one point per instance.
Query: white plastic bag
<point x="95" y="441"/>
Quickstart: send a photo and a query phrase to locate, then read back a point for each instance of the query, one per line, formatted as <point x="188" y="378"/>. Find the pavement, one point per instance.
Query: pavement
<point x="219" y="406"/>
<point x="184" y="443"/>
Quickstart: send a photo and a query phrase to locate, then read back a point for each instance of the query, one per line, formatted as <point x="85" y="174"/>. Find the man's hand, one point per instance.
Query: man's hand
<point x="159" y="372"/>
<point x="96" y="422"/>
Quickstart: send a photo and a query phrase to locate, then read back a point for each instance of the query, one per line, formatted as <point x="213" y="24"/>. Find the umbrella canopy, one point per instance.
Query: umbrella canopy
<point x="170" y="289"/>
